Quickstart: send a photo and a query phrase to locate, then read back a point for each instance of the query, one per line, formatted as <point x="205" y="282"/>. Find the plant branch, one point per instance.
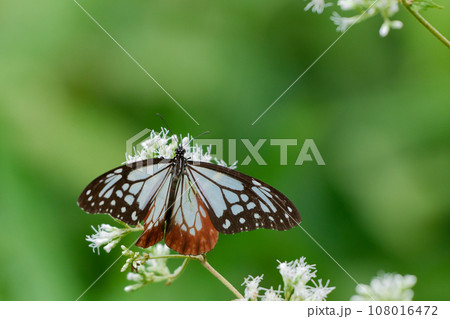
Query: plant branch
<point x="220" y="277"/>
<point x="407" y="4"/>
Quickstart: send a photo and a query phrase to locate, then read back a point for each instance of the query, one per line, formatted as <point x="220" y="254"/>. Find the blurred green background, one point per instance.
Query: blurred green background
<point x="377" y="109"/>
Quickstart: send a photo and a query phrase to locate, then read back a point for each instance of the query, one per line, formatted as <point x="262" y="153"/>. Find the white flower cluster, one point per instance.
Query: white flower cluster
<point x="107" y="236"/>
<point x="297" y="276"/>
<point x="148" y="268"/>
<point x="162" y="144"/>
<point x="387" y="287"/>
<point x="317" y="6"/>
<point x="369" y="8"/>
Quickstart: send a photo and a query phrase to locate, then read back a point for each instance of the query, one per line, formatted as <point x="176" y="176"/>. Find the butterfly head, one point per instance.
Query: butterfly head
<point x="179" y="152"/>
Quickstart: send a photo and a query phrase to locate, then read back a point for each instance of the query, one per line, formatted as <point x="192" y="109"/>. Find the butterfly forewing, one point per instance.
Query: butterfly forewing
<point x="238" y="202"/>
<point x="126" y="192"/>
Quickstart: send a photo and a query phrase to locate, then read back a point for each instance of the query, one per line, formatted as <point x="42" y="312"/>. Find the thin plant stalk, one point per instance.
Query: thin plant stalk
<point x="425" y="23"/>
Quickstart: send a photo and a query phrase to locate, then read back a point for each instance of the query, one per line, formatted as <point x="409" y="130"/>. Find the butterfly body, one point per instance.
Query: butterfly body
<point x="187" y="203"/>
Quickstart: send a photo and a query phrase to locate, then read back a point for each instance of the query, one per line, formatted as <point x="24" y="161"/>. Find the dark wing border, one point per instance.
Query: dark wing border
<point x="282" y="219"/>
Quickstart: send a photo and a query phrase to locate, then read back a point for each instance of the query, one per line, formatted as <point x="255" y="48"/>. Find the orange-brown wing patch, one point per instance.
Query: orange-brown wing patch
<point x="155" y="218"/>
<point x="190" y="230"/>
<point x="154" y="230"/>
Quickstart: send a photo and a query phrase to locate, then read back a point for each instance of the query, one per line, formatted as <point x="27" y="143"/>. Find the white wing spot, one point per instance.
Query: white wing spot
<point x="111" y="182"/>
<point x="286" y="215"/>
<point x="244" y="197"/>
<point x="256" y="215"/>
<point x="134" y="216"/>
<point x="192" y="231"/>
<point x="198" y="223"/>
<point x="92" y="204"/>
<point x="256" y="183"/>
<point x="137" y="174"/>
<point x="119" y="193"/>
<point x="251" y="205"/>
<point x="129" y="199"/>
<point x="264" y="207"/>
<point x="88" y="192"/>
<point x="241" y="220"/>
<point x="226" y="224"/>
<point x="123" y="209"/>
<point x="271" y="218"/>
<point x="266" y="191"/>
<point x="134" y="189"/>
<point x="184" y="228"/>
<point x="230" y="196"/>
<point x="236" y="209"/>
<point x="125" y="186"/>
<point x="101" y="203"/>
<point x="113" y="202"/>
<point x="202" y="211"/>
<point x="109" y="193"/>
<point x="118" y="171"/>
<point x="264" y="198"/>
<point x="90" y="198"/>
<point x="289" y="209"/>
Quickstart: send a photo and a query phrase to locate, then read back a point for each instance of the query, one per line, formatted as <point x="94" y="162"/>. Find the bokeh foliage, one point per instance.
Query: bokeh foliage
<point x="378" y="110"/>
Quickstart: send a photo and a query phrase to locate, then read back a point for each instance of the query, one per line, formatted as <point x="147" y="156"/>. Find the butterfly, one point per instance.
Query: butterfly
<point x="187" y="203"/>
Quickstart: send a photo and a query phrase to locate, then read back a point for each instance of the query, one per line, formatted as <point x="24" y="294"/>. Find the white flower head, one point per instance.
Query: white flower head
<point x="319" y="292"/>
<point x="107" y="236"/>
<point x="252" y="288"/>
<point x="317" y="6"/>
<point x="162" y="144"/>
<point x="387" y="287"/>
<point x="296" y="273"/>
<point x="158" y="265"/>
<point x="272" y="294"/>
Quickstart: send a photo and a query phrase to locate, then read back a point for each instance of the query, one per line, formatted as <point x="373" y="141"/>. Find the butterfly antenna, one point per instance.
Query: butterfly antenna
<point x="163" y="121"/>
<point x="206" y="132"/>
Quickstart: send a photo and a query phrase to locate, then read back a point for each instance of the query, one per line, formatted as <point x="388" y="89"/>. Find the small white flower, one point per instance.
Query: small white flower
<point x="272" y="295"/>
<point x="384" y="30"/>
<point x="158" y="265"/>
<point x="296" y="273"/>
<point x="387" y="287"/>
<point x="319" y="292"/>
<point x="387" y="25"/>
<point x="317" y="6"/>
<point x="343" y="23"/>
<point x="350" y="4"/>
<point x="134" y="277"/>
<point x="107" y="236"/>
<point x="133" y="287"/>
<point x="252" y="288"/>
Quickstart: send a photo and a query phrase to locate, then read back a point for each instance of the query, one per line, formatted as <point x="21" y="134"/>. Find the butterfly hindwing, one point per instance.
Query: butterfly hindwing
<point x="154" y="221"/>
<point x="190" y="230"/>
<point x="237" y="202"/>
<point x="126" y="192"/>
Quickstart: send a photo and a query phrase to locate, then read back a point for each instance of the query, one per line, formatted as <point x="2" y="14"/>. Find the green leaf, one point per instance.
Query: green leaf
<point x="418" y="5"/>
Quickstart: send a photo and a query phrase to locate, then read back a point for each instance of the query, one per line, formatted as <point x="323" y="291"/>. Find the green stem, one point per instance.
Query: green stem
<point x="407" y="4"/>
<point x="202" y="260"/>
<point x="177" y="273"/>
<point x="220" y="277"/>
